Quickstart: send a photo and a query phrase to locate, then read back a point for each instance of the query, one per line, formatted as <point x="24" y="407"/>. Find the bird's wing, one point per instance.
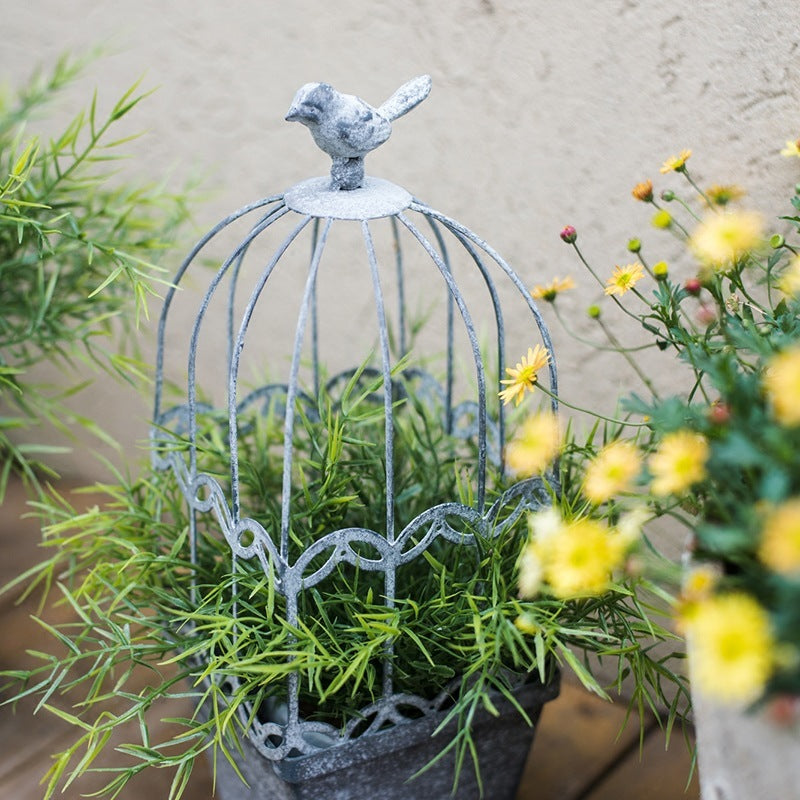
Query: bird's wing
<point x="357" y="128"/>
<point x="406" y="97"/>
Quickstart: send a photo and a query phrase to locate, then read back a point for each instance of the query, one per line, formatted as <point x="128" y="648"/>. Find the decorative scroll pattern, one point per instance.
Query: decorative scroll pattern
<point x="203" y="494"/>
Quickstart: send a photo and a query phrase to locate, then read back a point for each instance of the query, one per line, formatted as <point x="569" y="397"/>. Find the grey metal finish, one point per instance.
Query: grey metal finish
<point x="310" y="211"/>
<point x="347" y="128"/>
<point x="380" y="766"/>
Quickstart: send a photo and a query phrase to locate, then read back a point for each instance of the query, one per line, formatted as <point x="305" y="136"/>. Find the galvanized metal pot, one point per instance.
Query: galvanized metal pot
<point x="743" y="754"/>
<point x="380" y="766"/>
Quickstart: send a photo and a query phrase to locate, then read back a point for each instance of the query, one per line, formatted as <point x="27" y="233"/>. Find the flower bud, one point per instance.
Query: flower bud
<point x="643" y="191"/>
<point x="719" y="413"/>
<point x="662" y="219"/>
<point x="693" y="286"/>
<point x="667" y="195"/>
<point x="784" y="708"/>
<point x="634" y="245"/>
<point x="593" y="312"/>
<point x="776" y="241"/>
<point x="661" y="270"/>
<point x="568" y="234"/>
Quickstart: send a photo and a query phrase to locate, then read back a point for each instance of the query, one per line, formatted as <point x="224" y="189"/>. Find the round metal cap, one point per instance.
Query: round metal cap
<point x="376" y="198"/>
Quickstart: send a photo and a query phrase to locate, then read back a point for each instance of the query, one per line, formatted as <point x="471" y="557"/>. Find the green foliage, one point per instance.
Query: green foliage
<point x="77" y="248"/>
<point x="124" y="568"/>
<point x="77" y="244"/>
<point x="727" y="328"/>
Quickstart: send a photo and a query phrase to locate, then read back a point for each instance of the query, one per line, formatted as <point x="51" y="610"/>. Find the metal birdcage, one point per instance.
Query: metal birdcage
<point x="389" y="230"/>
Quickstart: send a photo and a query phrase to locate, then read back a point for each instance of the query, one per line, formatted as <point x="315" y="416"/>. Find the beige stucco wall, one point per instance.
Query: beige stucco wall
<point x="541" y="114"/>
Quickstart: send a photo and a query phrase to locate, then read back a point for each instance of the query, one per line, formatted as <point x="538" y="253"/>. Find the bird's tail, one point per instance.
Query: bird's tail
<point x="406" y="97"/>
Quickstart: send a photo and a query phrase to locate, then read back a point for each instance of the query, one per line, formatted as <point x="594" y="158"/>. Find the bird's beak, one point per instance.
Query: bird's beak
<point x="303" y="112"/>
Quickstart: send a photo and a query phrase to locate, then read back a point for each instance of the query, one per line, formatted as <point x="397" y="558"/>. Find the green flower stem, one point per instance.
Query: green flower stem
<point x="696" y="187"/>
<point x="597" y="345"/>
<point x="600" y="282"/>
<point x="647" y="266"/>
<point x="617" y="345"/>
<point x="622" y="422"/>
<point x="687" y="208"/>
<point x="736" y="280"/>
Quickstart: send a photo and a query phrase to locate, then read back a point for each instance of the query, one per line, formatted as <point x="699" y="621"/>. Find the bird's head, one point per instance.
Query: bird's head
<point x="311" y="103"/>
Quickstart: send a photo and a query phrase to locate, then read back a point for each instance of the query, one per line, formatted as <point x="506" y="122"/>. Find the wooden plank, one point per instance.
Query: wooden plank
<point x="659" y="774"/>
<point x="579" y="735"/>
<point x="20" y="536"/>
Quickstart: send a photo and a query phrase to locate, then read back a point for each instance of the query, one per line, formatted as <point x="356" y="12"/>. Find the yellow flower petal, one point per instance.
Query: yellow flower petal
<point x="731" y="647"/>
<point x="530" y="572"/>
<point x="723" y="239"/>
<point x="780" y="538"/>
<point x="624" y="278"/>
<point x="678" y="463"/>
<point x="643" y="191"/>
<point x="676" y="163"/>
<point x="536" y="445"/>
<point x="612" y="471"/>
<point x="721" y="195"/>
<point x="524" y="375"/>
<point x="782" y="385"/>
<point x="792" y="148"/>
<point x="579" y="561"/>
<point x="789" y="281"/>
<point x="550" y="291"/>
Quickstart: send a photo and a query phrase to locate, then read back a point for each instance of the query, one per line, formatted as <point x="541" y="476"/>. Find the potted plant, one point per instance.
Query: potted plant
<point x="466" y="640"/>
<point x="718" y="457"/>
<point x="170" y="575"/>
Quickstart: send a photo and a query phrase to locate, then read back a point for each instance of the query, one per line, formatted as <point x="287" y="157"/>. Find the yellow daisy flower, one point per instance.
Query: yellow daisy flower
<point x="612" y="471"/>
<point x="780" y="538"/>
<point x="700" y="582"/>
<point x="524" y="375"/>
<point x="536" y="445"/>
<point x="722" y="195"/>
<point x="549" y="292"/>
<point x="723" y="239"/>
<point x="731" y="647"/>
<point x="792" y="148"/>
<point x="782" y="385"/>
<point x="679" y="462"/>
<point x="579" y="561"/>
<point x="624" y="278"/>
<point x="789" y="281"/>
<point x="676" y="163"/>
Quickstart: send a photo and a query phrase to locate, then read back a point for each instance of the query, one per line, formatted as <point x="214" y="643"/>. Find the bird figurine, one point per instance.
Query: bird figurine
<point x="347" y="128"/>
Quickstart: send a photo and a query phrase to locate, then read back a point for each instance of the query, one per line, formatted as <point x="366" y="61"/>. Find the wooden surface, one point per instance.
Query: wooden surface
<point x="581" y="751"/>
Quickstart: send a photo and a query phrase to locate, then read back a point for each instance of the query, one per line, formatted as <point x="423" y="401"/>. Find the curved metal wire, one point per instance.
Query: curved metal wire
<point x="457" y="228"/>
